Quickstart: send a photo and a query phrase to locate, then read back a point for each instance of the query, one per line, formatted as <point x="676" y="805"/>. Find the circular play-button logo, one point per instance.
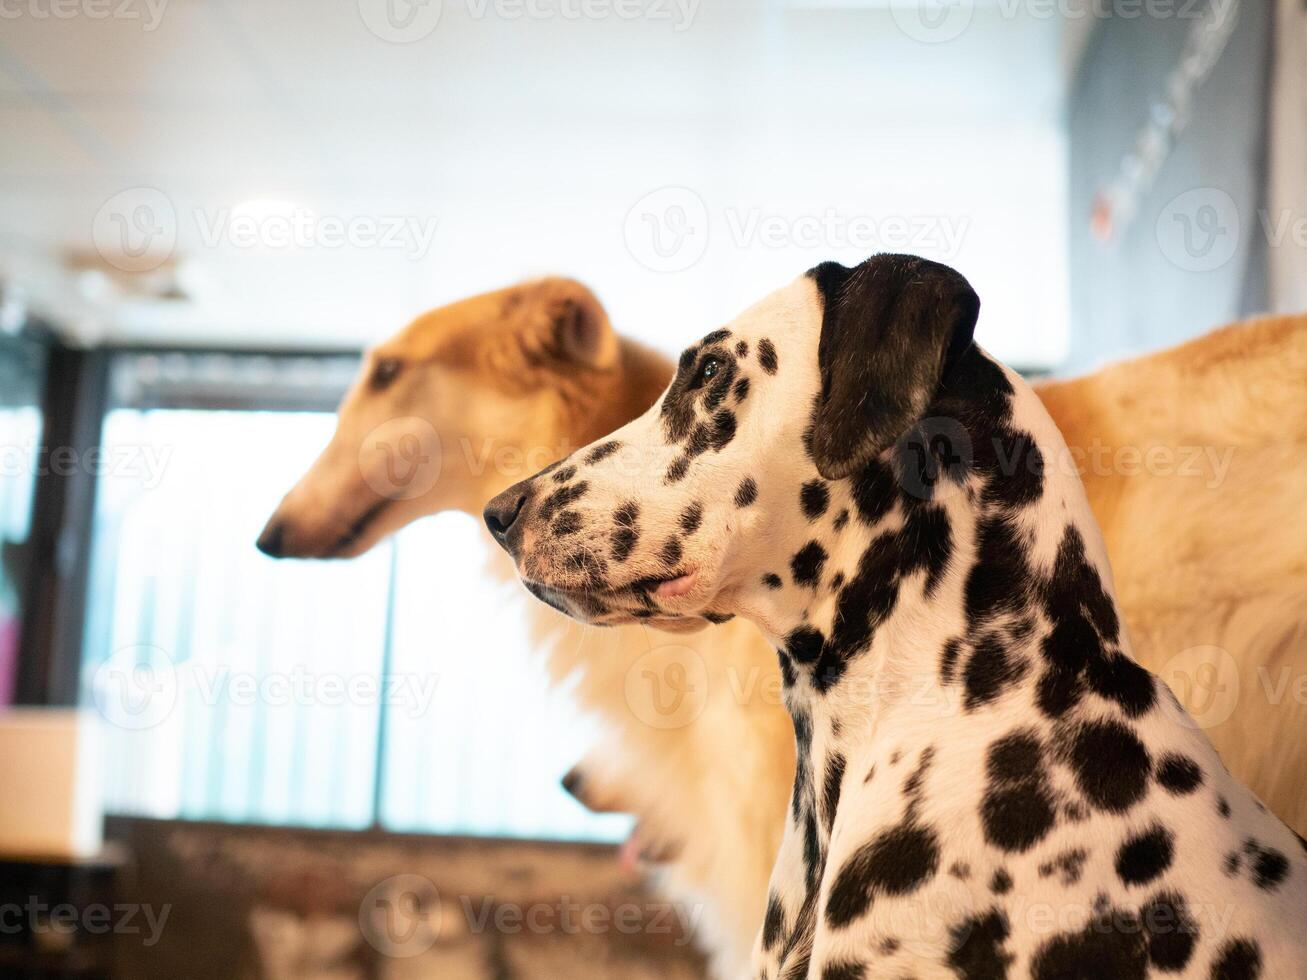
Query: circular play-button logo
<point x="400" y="916"/>
<point x="136" y="687"/>
<point x="1198" y="231"/>
<point x="932" y="21"/>
<point x="400" y="21"/>
<point x="136" y="229"/>
<point x="668" y="686"/>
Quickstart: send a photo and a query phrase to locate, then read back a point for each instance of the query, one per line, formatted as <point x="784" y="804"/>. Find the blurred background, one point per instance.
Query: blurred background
<point x="208" y="208"/>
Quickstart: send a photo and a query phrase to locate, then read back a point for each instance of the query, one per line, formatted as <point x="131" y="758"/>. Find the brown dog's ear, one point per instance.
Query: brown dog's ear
<point x="891" y="330"/>
<point x="570" y="324"/>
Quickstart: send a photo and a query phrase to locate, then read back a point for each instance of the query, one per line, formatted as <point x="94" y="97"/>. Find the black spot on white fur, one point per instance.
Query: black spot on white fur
<point x="1067" y="866"/>
<point x="1145" y="856"/>
<point x="976" y="946"/>
<point x="563" y="497"/>
<point x="991" y="669"/>
<point x="723" y="428"/>
<point x="843" y="970"/>
<point x="1239" y="959"/>
<point x="1110" y="764"/>
<point x="807" y="564"/>
<point x="814" y="498"/>
<point x="568" y="522"/>
<point x="831" y="788"/>
<point x="626" y="531"/>
<point x="897" y="862"/>
<point x="1114" y="944"/>
<point x="602" y="451"/>
<point x="773" y="923"/>
<point x="805" y="645"/>
<point x="1017" y="810"/>
<point x="1172" y="931"/>
<point x="1268" y="867"/>
<point x="691" y="518"/>
<point x="1179" y="774"/>
<point x="948" y="660"/>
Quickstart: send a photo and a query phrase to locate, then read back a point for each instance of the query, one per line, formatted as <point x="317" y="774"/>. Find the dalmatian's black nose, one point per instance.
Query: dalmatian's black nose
<point x="502" y="513"/>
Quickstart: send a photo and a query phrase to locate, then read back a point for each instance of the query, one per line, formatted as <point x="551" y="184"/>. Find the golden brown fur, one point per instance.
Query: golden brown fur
<point x="1212" y="561"/>
<point x="1217" y="559"/>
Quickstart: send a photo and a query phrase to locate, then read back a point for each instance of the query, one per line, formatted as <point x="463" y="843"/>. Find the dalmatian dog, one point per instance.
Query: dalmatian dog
<point x="988" y="785"/>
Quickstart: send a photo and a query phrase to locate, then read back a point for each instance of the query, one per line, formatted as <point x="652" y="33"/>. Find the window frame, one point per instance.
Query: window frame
<point x="49" y="644"/>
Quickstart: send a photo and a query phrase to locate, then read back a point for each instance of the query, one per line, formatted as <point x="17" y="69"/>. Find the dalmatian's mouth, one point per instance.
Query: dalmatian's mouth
<point x="673" y="588"/>
<point x="642" y="590"/>
<point x="672" y="603"/>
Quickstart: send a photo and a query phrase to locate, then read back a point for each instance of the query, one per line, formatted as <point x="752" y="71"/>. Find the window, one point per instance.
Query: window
<point x="487" y="754"/>
<point x="330" y="694"/>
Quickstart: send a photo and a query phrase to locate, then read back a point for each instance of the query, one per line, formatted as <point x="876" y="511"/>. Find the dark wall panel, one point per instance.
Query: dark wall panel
<point x="1192" y="255"/>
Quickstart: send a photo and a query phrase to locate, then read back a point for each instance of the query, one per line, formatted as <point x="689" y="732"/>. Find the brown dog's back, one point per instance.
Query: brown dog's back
<point x="1208" y="537"/>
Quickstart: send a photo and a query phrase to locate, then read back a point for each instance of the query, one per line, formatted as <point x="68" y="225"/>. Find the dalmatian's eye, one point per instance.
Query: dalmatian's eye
<point x="708" y="370"/>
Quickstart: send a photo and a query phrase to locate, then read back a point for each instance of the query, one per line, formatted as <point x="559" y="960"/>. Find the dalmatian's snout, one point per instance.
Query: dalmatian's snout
<point x="545" y="524"/>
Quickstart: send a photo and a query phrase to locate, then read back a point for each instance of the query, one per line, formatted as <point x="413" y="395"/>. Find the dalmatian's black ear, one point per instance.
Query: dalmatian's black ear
<point x="891" y="330"/>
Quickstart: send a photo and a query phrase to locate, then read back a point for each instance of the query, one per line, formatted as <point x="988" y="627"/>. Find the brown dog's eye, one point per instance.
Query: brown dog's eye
<point x="387" y="370"/>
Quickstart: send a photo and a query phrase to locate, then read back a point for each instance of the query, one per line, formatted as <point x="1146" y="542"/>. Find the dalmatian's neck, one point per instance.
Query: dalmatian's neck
<point x="904" y="595"/>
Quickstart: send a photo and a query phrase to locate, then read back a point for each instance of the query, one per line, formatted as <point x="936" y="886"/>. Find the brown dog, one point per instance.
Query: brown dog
<point x="1192" y="459"/>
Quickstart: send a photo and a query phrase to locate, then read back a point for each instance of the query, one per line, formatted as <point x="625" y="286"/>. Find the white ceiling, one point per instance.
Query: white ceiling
<point x="525" y="139"/>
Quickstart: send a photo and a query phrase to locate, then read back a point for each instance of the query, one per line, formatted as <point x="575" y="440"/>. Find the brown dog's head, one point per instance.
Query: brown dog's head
<point x="459" y="404"/>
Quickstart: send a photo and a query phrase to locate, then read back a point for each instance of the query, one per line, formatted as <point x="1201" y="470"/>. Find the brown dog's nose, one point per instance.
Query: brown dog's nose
<point x="572" y="781"/>
<point x="271" y="541"/>
<point x="502" y="513"/>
